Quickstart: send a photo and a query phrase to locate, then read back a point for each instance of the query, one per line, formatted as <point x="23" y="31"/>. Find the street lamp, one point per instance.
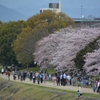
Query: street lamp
<point x="81" y="11"/>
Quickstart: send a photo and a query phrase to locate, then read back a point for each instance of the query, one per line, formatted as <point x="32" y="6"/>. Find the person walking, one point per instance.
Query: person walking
<point x="34" y="77"/>
<point x="80" y="90"/>
<point x="58" y="80"/>
<point x="19" y="74"/>
<point x="62" y="79"/>
<point x="69" y="79"/>
<point x="41" y="77"/>
<point x="94" y="86"/>
<point x="38" y="77"/>
<point x="98" y="86"/>
<point x="2" y="71"/>
<point x="31" y="73"/>
<point x="8" y="76"/>
<point x="54" y="79"/>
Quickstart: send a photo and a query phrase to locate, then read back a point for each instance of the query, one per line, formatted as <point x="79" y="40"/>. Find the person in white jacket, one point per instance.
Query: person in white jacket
<point x="2" y="71"/>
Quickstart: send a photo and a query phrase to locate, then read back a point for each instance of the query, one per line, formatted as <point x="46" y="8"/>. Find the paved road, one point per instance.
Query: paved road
<point x="50" y="84"/>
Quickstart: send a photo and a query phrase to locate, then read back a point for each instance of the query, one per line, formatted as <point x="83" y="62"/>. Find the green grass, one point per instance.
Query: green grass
<point x="23" y="91"/>
<point x="36" y="69"/>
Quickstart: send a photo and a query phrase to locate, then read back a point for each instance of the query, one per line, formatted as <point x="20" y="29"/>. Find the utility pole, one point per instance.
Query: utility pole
<point x="59" y="1"/>
<point x="81" y="12"/>
<point x="81" y="15"/>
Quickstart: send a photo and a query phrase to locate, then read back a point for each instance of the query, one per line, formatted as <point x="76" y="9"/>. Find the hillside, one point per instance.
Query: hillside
<point x="10" y="90"/>
<point x="7" y="14"/>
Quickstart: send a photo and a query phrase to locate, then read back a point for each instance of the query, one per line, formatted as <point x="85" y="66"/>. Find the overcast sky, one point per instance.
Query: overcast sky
<point x="70" y="7"/>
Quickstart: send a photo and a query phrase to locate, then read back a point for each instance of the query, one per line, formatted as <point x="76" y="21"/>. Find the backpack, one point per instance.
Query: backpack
<point x="8" y="73"/>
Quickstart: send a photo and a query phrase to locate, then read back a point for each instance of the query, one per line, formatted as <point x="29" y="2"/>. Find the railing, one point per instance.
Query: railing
<point x="86" y="19"/>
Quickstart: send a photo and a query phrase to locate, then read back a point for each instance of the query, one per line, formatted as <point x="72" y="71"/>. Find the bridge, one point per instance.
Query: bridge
<point x="79" y="20"/>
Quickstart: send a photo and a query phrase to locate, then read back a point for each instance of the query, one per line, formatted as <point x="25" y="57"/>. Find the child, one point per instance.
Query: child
<point x="80" y="90"/>
<point x="78" y="93"/>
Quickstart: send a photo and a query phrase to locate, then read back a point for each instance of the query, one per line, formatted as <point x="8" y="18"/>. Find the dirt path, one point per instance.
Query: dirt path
<point x="50" y="84"/>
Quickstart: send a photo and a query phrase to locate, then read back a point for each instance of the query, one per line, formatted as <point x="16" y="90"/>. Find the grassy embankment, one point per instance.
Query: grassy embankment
<point x="10" y="90"/>
<point x="36" y="69"/>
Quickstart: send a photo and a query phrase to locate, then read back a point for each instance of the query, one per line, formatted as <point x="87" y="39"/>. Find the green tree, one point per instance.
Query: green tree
<point x="79" y="59"/>
<point x="8" y="34"/>
<point x="55" y="21"/>
<point x="24" y="45"/>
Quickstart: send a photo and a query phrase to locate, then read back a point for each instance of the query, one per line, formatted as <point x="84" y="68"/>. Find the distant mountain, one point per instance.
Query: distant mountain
<point x="8" y="14"/>
<point x="24" y="10"/>
<point x="31" y="8"/>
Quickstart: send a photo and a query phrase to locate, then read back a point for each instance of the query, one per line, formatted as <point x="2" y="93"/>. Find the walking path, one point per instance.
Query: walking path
<point x="50" y="84"/>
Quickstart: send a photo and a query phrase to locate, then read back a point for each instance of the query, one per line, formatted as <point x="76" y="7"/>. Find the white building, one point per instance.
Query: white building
<point x="56" y="7"/>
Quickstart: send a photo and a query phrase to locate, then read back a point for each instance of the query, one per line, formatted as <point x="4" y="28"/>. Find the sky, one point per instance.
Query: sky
<point x="70" y="7"/>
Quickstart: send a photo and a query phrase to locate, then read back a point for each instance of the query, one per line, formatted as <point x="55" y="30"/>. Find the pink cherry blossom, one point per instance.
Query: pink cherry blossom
<point x="92" y="62"/>
<point x="58" y="49"/>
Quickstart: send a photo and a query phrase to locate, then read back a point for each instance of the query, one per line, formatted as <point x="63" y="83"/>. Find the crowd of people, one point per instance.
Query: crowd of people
<point x="59" y="78"/>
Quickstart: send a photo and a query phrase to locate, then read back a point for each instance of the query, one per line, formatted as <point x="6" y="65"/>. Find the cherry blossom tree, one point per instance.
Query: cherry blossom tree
<point x="92" y="62"/>
<point x="58" y="49"/>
